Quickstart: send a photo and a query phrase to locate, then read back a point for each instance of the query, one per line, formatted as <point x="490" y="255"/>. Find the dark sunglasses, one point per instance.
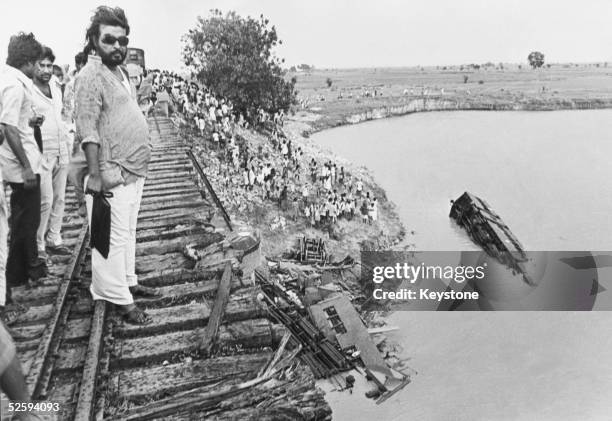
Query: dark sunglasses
<point x="111" y="40"/>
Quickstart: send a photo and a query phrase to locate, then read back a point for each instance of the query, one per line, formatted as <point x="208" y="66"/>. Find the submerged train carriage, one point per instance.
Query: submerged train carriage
<point x="490" y="232"/>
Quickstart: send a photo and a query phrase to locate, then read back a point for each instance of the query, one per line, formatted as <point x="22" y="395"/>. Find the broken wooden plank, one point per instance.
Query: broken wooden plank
<point x="182" y="292"/>
<point x="216" y="315"/>
<point x="198" y="401"/>
<point x="266" y="370"/>
<point x="253" y="333"/>
<point x="166" y="233"/>
<point x="167" y="246"/>
<point x="173" y="378"/>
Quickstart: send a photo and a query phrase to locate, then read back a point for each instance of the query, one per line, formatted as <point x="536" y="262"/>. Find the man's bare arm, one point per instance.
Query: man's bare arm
<point x="94" y="182"/>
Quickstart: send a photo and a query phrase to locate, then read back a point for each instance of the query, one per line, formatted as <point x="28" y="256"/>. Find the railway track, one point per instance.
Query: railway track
<point x="81" y="355"/>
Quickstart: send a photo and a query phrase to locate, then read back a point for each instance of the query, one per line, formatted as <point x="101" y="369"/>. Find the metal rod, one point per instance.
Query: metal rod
<point x="198" y="168"/>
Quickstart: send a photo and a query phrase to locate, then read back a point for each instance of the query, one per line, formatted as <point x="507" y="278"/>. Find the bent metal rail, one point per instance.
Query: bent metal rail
<point x="210" y="189"/>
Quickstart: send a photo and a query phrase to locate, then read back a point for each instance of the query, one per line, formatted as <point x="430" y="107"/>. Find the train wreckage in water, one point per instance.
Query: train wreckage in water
<point x="488" y="230"/>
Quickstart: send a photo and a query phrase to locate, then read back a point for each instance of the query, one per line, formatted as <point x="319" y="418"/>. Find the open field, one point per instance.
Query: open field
<point x="561" y="86"/>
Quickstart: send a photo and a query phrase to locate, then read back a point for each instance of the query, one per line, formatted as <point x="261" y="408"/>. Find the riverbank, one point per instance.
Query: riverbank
<point x="394" y="107"/>
<point x="279" y="229"/>
<point x="401" y="91"/>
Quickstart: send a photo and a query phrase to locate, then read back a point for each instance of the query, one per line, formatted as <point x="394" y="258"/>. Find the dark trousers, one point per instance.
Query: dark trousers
<point x="23" y="262"/>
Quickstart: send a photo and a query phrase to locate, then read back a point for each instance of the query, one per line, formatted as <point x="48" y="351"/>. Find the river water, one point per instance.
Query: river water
<point x="547" y="174"/>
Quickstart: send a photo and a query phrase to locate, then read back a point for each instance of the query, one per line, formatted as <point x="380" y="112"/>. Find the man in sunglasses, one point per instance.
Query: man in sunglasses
<point x="114" y="135"/>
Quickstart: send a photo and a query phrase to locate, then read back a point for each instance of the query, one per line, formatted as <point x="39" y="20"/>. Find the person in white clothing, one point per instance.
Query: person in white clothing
<point x="47" y="99"/>
<point x="20" y="160"/>
<point x="108" y="118"/>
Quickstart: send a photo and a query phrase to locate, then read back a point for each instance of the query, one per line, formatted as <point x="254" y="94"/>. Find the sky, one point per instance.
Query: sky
<point x="345" y="33"/>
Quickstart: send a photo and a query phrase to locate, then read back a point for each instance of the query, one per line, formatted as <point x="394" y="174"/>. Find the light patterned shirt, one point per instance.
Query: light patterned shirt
<point x="107" y="115"/>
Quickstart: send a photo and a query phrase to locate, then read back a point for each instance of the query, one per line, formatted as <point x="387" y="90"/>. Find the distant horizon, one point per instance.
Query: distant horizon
<point x="346" y="34"/>
<point x="426" y="66"/>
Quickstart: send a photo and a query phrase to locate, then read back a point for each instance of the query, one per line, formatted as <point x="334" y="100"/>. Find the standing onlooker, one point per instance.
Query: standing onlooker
<point x="59" y="79"/>
<point x="20" y="158"/>
<point x="68" y="107"/>
<point x="68" y="116"/>
<point x="47" y="99"/>
<point x="114" y="134"/>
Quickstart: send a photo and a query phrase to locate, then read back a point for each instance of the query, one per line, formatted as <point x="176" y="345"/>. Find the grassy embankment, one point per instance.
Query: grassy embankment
<point x="565" y="87"/>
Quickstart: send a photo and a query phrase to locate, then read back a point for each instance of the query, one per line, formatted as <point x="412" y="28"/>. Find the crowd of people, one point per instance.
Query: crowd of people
<point x="320" y="192"/>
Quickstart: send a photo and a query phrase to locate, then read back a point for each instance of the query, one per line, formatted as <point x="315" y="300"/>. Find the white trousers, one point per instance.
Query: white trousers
<point x="112" y="277"/>
<point x="52" y="203"/>
<point x="3" y="242"/>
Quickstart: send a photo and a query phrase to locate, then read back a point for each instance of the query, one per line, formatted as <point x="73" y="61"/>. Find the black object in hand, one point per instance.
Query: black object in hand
<point x="38" y="137"/>
<point x="101" y="222"/>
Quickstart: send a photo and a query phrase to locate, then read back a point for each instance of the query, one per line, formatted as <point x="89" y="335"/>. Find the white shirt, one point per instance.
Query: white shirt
<point x="126" y="81"/>
<point x="15" y="110"/>
<point x="54" y="131"/>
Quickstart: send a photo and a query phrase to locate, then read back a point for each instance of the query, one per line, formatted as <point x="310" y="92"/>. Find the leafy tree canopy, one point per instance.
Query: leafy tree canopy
<point x="536" y="59"/>
<point x="234" y="57"/>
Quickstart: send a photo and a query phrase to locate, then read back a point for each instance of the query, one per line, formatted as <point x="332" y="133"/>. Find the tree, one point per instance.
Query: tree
<point x="535" y="59"/>
<point x="234" y="57"/>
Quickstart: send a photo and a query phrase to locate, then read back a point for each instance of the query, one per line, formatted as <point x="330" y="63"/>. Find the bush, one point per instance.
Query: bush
<point x="233" y="56"/>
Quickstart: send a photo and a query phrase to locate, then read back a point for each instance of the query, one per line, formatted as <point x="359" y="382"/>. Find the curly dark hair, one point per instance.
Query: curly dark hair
<point x="23" y="49"/>
<point x="104" y="15"/>
<point x="80" y="58"/>
<point x="47" y="53"/>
